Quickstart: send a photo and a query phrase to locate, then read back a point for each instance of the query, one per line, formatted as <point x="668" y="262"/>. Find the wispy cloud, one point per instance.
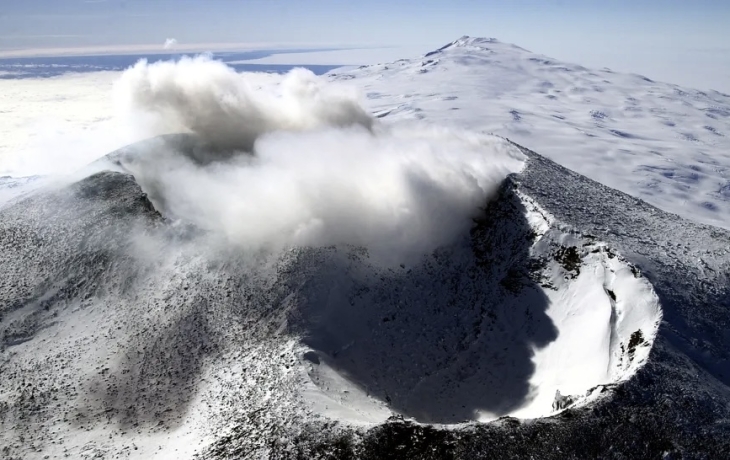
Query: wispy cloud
<point x="37" y="37"/>
<point x="70" y="17"/>
<point x="154" y="48"/>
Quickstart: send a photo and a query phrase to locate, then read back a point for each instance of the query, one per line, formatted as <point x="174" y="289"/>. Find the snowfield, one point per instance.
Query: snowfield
<point x="293" y="277"/>
<point x="663" y="143"/>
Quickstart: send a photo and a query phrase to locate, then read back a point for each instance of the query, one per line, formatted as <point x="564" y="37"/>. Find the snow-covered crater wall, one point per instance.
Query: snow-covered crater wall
<point x="495" y="324"/>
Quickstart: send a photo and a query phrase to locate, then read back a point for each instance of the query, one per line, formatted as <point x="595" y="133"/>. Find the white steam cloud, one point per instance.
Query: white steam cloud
<point x="228" y="110"/>
<point x="312" y="168"/>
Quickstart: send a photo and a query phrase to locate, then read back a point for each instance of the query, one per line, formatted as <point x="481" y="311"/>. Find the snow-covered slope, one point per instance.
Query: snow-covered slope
<point x="129" y="334"/>
<point x="663" y="143"/>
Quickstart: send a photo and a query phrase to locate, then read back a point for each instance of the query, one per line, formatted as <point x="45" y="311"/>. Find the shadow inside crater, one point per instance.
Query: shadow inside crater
<point x="439" y="341"/>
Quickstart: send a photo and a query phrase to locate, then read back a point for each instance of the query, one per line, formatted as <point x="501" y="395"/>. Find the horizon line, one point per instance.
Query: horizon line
<point x="159" y="48"/>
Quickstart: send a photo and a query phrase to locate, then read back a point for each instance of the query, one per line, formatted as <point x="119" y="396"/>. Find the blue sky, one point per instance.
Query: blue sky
<point x="655" y="37"/>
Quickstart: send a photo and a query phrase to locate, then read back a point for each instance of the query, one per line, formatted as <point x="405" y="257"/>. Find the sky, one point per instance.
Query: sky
<point x="680" y="41"/>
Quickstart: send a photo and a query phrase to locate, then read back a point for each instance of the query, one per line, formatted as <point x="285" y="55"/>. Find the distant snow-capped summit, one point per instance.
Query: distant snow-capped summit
<point x="661" y="142"/>
<point x="465" y="41"/>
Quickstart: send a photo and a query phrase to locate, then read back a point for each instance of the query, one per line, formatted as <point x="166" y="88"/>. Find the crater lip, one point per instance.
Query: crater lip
<point x="529" y="320"/>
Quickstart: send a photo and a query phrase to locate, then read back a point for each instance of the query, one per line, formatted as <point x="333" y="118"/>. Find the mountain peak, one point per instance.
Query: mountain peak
<point x="472" y="41"/>
<point x="465" y="41"/>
